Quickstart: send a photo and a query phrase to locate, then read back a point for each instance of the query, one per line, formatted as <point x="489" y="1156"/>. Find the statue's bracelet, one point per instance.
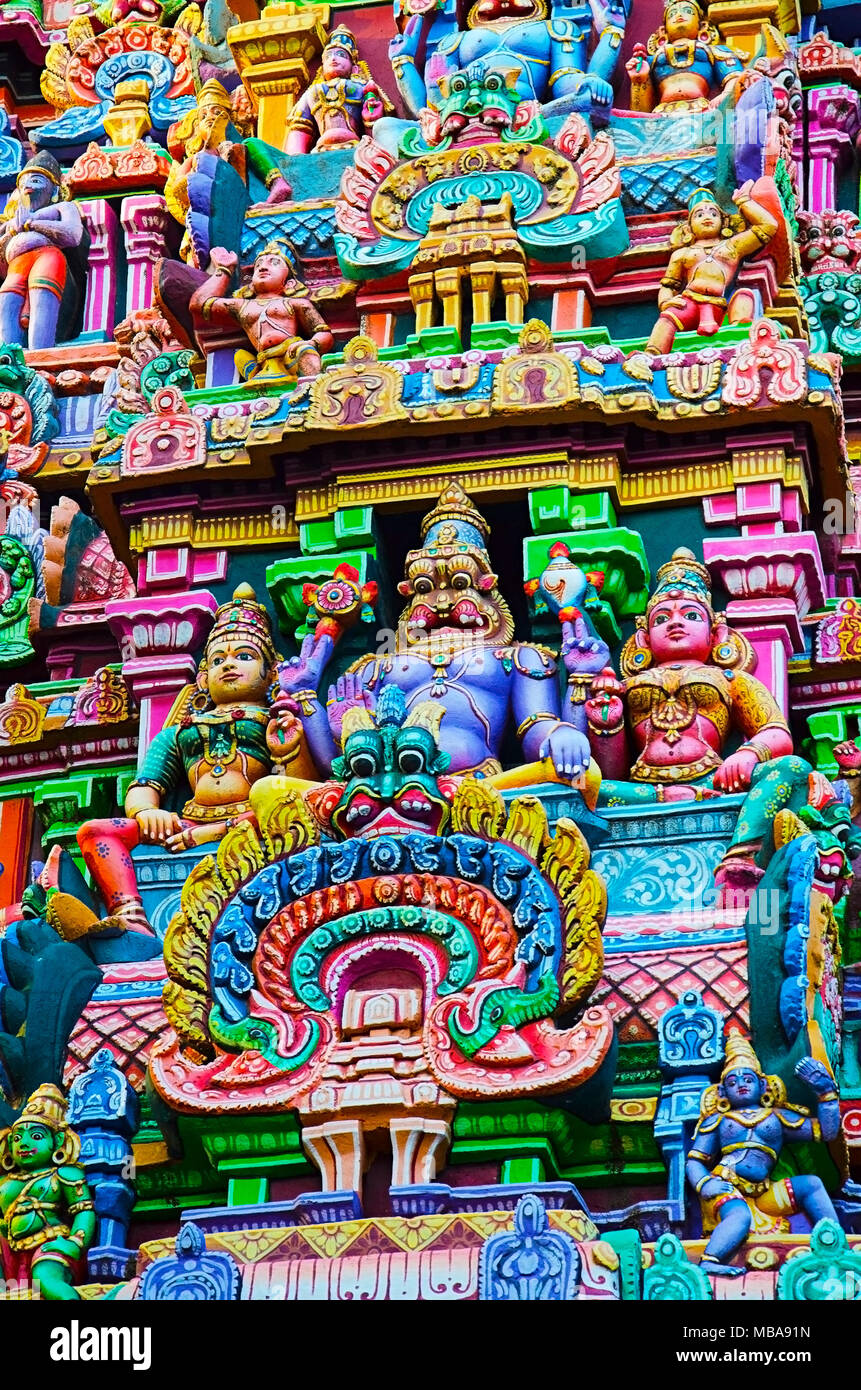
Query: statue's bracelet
<point x="579" y="685"/>
<point x="827" y="1095"/>
<point x="307" y="699"/>
<point x="538" y="718"/>
<point x="605" y="730"/>
<point x="760" y="751"/>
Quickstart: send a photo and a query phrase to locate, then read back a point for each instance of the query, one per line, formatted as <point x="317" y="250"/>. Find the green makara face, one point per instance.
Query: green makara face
<point x="32" y="1145"/>
<point x="392" y="783"/>
<point x="479" y="102"/>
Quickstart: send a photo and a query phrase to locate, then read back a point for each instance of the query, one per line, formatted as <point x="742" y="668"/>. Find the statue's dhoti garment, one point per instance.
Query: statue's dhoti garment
<point x="41" y="269"/>
<point x="770" y="1203"/>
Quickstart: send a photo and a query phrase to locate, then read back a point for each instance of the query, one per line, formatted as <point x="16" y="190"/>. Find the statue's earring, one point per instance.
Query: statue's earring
<point x="636" y="654"/>
<point x="723" y="1105"/>
<point x="7" y="1162"/>
<point x="59" y="1155"/>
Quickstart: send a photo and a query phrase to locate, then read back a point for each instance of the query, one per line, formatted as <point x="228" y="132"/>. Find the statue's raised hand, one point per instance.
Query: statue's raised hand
<point x="304" y="672"/>
<point x="222" y="259"/>
<point x="348" y="692"/>
<point x="406" y="44"/>
<point x="638" y="64"/>
<point x="582" y="653"/>
<point x="609" y="12"/>
<point x="816" y="1074"/>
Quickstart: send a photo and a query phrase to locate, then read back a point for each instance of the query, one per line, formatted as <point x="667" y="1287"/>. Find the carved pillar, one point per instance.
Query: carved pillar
<point x="419" y="1147"/>
<point x="422" y="296"/>
<point x="833" y="122"/>
<point x="773" y="582"/>
<point x="448" y="289"/>
<point x="515" y="287"/>
<point x="100" y="301"/>
<point x="145" y="219"/>
<point x="690" y="1054"/>
<point x="483" y="277"/>
<point x="274" y="56"/>
<point x="105" y="1112"/>
<point x="158" y="636"/>
<point x="338" y="1149"/>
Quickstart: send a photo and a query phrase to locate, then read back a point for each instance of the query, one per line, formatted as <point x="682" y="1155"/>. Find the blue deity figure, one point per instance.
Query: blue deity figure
<point x="744" y="1123"/>
<point x="454" y="643"/>
<point x="546" y="45"/>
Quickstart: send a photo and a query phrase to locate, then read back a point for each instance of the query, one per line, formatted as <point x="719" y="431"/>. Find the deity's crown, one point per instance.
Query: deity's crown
<point x="740" y="1055"/>
<point x="46" y="1106"/>
<point x="341" y="37"/>
<point x="455" y="521"/>
<point x="280" y="246"/>
<point x="693" y="3"/>
<point x="683" y="577"/>
<point x="243" y="619"/>
<point x="212" y="93"/>
<point x="701" y="195"/>
<point x="43" y="163"/>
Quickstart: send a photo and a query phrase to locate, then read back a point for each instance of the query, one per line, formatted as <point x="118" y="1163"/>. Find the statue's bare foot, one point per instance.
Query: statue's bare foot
<point x="715" y="1267"/>
<point x="686" y="793"/>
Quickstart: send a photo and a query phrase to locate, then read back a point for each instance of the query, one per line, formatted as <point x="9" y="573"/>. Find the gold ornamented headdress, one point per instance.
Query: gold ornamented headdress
<point x="243" y="619"/>
<point x="740" y="1056"/>
<point x="683" y="576"/>
<point x="454" y="521"/>
<point x="342" y="37"/>
<point x="46" y="1106"/>
<point x="212" y="93"/>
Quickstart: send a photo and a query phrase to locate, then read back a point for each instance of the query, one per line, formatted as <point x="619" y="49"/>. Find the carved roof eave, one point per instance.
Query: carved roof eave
<point x="260" y="454"/>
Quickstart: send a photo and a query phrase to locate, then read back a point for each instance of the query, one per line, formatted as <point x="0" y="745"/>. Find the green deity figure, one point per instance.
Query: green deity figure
<point x="46" y="1210"/>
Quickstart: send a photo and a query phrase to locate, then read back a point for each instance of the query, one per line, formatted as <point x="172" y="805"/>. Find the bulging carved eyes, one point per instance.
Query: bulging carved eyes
<point x="411" y="760"/>
<point x="458" y="84"/>
<point x="422" y="585"/>
<point x="461" y="580"/>
<point x="493" y="83"/>
<point x="363" y="765"/>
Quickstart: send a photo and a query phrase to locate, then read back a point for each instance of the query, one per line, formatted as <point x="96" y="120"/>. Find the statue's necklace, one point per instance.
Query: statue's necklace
<point x="681" y="53"/>
<point x="440" y="660"/>
<point x="750" y="1118"/>
<point x="218" y="764"/>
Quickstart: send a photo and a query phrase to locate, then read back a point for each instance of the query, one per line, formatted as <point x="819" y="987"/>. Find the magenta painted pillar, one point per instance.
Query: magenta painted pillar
<point x="833" y="123"/>
<point x="158" y="636"/>
<point x="100" y="301"/>
<point x="772" y="583"/>
<point x="145" y="219"/>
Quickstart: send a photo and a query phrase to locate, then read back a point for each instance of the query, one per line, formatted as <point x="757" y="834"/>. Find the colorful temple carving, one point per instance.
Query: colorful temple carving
<point x="430" y="605"/>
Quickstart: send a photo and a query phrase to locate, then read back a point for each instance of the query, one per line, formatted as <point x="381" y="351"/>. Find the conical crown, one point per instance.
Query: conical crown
<point x="243" y="619"/>
<point x="740" y="1055"/>
<point x="683" y="577"/>
<point x="46" y="1106"/>
<point x="212" y="93"/>
<point x="455" y="521"/>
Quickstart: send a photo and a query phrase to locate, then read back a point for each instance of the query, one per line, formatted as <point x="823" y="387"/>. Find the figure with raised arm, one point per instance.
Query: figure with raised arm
<point x="744" y="1123"/>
